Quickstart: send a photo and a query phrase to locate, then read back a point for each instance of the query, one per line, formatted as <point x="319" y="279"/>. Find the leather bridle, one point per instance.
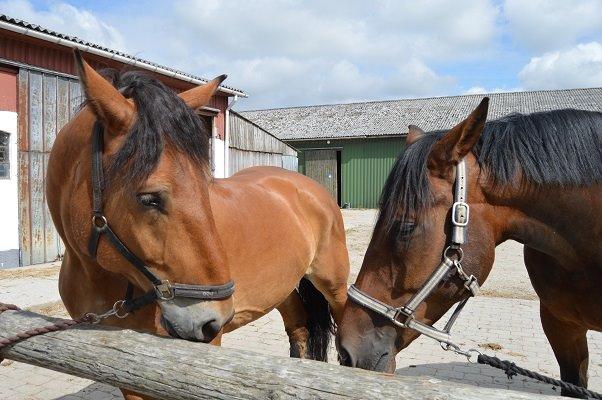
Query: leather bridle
<point x="452" y="257"/>
<point x="163" y="289"/>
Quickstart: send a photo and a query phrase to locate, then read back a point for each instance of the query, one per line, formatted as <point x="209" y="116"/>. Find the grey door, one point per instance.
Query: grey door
<point x="321" y="165"/>
<point x="46" y="102"/>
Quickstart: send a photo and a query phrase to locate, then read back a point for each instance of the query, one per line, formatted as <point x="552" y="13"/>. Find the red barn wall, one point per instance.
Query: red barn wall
<point x="42" y="54"/>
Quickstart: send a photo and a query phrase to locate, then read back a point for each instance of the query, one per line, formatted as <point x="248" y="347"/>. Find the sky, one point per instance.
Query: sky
<point x="292" y="52"/>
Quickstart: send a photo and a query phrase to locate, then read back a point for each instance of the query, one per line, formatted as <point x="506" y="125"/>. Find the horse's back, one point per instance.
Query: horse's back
<point x="280" y="181"/>
<point x="274" y="225"/>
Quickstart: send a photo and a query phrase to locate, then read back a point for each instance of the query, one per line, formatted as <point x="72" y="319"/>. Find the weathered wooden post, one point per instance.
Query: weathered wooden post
<point x="177" y="369"/>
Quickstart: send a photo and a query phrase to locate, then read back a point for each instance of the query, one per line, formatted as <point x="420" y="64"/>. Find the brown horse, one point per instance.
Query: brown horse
<point x="264" y="228"/>
<point x="531" y="178"/>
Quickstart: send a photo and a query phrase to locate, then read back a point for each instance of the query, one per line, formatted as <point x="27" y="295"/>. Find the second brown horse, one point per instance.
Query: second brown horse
<point x="532" y="178"/>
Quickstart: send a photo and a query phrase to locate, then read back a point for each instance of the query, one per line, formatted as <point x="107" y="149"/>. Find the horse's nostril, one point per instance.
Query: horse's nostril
<point x="210" y="330"/>
<point x="345" y="358"/>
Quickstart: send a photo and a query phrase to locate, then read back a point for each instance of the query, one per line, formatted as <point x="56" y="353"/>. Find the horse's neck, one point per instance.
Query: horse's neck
<point x="557" y="221"/>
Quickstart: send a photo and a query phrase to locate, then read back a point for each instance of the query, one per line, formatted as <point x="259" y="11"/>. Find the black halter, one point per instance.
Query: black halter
<point x="163" y="289"/>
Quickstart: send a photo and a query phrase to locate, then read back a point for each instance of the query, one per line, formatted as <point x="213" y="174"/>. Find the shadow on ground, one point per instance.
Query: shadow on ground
<point x="96" y="391"/>
<point x="477" y="375"/>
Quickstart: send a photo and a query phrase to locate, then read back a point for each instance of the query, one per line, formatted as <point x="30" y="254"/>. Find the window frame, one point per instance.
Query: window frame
<point x="6" y="160"/>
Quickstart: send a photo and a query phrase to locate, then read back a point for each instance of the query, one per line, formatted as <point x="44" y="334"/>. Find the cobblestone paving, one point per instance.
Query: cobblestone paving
<point x="508" y="322"/>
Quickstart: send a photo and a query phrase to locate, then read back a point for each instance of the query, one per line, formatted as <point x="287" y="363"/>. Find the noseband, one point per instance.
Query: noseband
<point x="452" y="257"/>
<point x="162" y="289"/>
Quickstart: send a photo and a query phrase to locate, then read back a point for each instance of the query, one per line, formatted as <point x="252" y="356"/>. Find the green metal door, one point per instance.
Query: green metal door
<point x="321" y="166"/>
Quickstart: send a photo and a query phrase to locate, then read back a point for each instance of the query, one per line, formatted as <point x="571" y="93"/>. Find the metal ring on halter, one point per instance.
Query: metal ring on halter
<point x="473" y="356"/>
<point x="117" y="307"/>
<point x="458" y="250"/>
<point x="99" y="218"/>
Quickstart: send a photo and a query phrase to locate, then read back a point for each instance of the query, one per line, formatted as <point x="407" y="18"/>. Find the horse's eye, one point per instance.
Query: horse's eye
<point x="406" y="229"/>
<point x="153" y="200"/>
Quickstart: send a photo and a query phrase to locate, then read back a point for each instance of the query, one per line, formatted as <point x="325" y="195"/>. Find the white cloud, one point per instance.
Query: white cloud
<point x="580" y="66"/>
<point x="65" y="18"/>
<point x="294" y="52"/>
<point x="280" y="82"/>
<point x="483" y="90"/>
<point x="286" y="53"/>
<point x="383" y="30"/>
<point x="441" y="28"/>
<point x="544" y="25"/>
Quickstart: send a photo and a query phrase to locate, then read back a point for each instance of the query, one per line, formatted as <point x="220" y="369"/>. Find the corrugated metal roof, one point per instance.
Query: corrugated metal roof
<point x="38" y="28"/>
<point x="388" y="118"/>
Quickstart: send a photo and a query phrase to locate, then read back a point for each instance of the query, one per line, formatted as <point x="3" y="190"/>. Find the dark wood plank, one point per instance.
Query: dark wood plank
<point x="36" y="185"/>
<point x="24" y="208"/>
<point x="23" y="109"/>
<point x="51" y="236"/>
<point x="75" y="97"/>
<point x="49" y="110"/>
<point x="62" y="103"/>
<point x="36" y="140"/>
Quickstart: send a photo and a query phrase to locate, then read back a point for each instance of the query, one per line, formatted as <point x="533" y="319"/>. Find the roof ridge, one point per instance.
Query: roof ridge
<point x="421" y="98"/>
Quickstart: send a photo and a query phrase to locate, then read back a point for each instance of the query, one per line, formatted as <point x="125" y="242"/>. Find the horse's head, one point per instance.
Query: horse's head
<point x="155" y="195"/>
<point x="409" y="240"/>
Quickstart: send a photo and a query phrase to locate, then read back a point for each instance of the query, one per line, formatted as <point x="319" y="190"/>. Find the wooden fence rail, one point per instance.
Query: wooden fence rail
<point x="176" y="369"/>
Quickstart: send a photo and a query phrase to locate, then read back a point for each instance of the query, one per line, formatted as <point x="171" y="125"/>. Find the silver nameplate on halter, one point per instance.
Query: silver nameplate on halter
<point x="460" y="213"/>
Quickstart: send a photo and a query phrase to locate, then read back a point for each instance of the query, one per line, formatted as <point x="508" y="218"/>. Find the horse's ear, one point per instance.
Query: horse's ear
<point x="414" y="133"/>
<point x="110" y="106"/>
<point x="459" y="141"/>
<point x="200" y="96"/>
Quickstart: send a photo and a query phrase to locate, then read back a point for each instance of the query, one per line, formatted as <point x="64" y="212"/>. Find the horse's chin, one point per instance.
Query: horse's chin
<point x="382" y="365"/>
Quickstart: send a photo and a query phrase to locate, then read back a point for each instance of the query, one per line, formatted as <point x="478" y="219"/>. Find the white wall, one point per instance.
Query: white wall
<point x="9" y="208"/>
<point x="219" y="163"/>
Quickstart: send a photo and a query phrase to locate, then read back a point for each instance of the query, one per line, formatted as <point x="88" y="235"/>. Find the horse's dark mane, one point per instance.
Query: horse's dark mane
<point x="555" y="148"/>
<point x="162" y="117"/>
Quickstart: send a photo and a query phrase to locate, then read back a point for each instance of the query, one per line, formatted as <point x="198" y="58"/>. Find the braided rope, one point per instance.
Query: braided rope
<point x="54" y="327"/>
<point x="512" y="369"/>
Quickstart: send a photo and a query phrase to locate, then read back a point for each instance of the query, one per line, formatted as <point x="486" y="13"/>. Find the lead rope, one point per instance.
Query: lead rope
<point x="512" y="369"/>
<point x="60" y="325"/>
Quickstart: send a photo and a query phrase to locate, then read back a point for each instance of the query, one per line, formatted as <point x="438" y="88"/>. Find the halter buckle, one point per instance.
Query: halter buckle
<point x="407" y="315"/>
<point x="165" y="290"/>
<point x="472" y="284"/>
<point x="460" y="213"/>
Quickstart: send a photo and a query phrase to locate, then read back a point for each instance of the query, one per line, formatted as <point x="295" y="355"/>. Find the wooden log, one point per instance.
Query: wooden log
<point x="176" y="369"/>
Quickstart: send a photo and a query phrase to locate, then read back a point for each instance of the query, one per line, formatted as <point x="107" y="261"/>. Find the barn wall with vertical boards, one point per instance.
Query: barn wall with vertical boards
<point x="46" y="103"/>
<point x="251" y="145"/>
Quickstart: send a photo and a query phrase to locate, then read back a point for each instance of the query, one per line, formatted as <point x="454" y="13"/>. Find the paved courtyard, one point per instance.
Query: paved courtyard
<point x="504" y="321"/>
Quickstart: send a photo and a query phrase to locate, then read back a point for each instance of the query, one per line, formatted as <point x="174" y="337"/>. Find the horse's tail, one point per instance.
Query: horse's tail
<point x="319" y="321"/>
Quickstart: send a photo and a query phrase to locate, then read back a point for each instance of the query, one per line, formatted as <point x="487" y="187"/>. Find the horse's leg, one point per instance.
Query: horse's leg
<point x="569" y="342"/>
<point x="566" y="336"/>
<point x="294" y="317"/>
<point x="329" y="273"/>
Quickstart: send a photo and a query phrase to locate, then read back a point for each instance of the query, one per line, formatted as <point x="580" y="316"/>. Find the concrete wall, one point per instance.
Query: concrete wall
<point x="9" y="206"/>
